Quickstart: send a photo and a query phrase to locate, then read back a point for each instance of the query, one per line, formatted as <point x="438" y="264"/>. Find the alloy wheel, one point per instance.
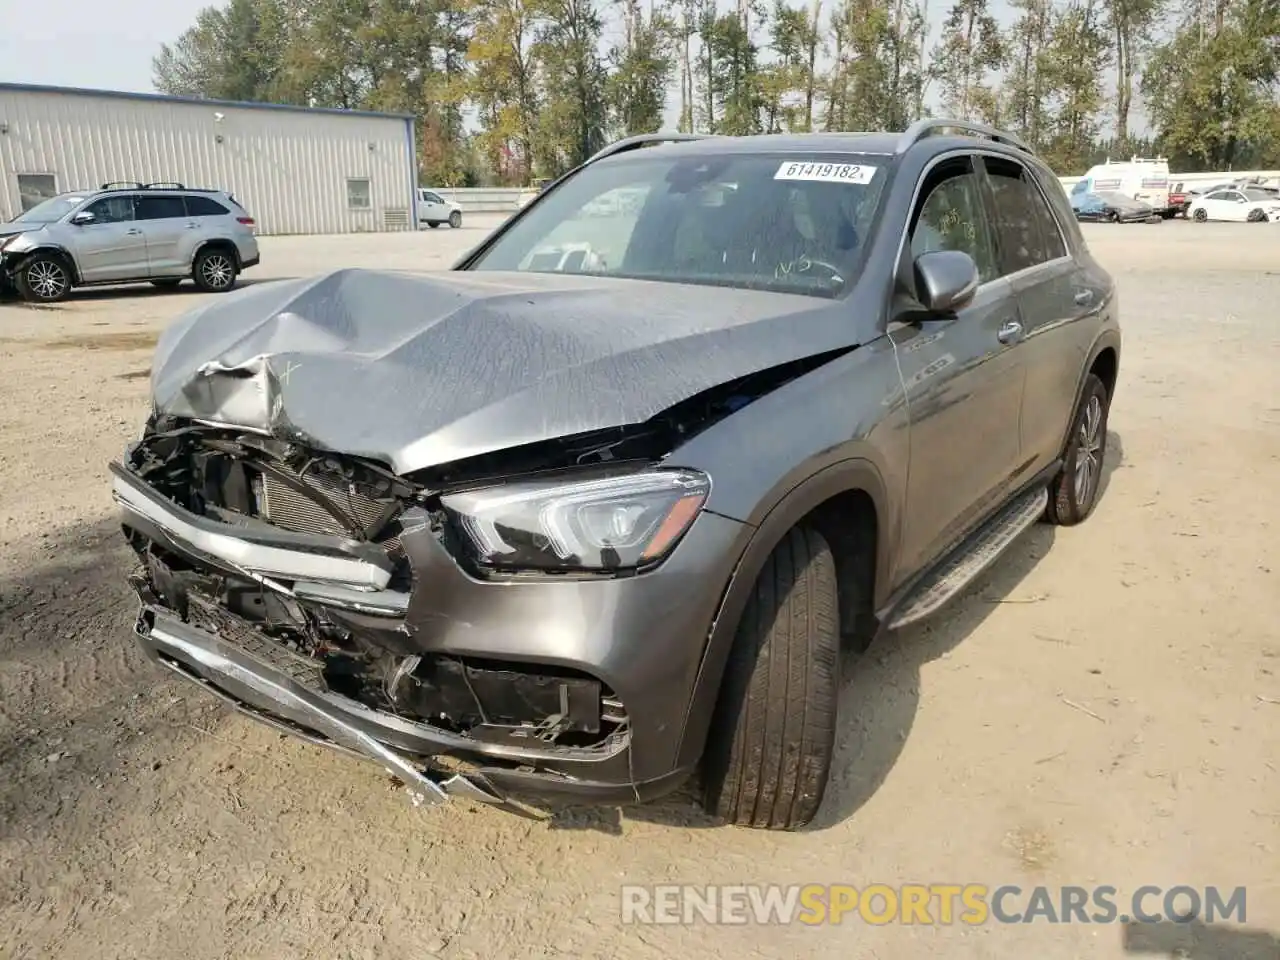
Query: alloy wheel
<point x="217" y="271"/>
<point x="47" y="279"/>
<point x="1088" y="451"/>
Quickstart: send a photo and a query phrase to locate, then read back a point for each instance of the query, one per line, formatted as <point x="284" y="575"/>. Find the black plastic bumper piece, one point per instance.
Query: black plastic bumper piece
<point x="434" y="764"/>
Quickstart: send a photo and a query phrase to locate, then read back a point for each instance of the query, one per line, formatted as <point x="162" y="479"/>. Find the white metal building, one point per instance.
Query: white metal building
<point x="295" y="169"/>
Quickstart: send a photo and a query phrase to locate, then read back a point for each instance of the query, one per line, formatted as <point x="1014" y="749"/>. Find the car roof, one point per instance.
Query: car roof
<point x="879" y="144"/>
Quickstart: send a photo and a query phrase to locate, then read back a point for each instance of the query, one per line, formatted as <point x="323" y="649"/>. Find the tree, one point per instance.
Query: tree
<point x="642" y="70"/>
<point x="1129" y="23"/>
<point x="573" y="118"/>
<point x="503" y="85"/>
<point x="970" y="48"/>
<point x="1211" y="89"/>
<point x="234" y="53"/>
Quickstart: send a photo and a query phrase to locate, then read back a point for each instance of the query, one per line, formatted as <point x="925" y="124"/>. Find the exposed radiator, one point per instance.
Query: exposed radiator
<point x="289" y="509"/>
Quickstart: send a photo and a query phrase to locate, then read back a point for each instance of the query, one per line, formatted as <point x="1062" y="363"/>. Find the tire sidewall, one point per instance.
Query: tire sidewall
<point x="1200" y="216"/>
<point x="1066" y="506"/>
<point x="455" y="220"/>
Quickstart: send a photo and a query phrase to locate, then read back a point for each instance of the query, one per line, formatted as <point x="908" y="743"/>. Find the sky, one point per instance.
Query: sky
<point x="108" y="44"/>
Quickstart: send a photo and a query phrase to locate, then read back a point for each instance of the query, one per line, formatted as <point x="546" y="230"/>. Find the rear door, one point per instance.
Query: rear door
<point x="961" y="374"/>
<point x="112" y="247"/>
<point x="164" y="222"/>
<point x="1054" y="295"/>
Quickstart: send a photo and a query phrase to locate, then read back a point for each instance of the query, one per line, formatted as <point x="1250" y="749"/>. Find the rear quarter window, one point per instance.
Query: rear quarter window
<point x="205" y="207"/>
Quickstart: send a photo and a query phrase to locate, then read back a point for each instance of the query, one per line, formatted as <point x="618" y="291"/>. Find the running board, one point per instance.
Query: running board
<point x="972" y="557"/>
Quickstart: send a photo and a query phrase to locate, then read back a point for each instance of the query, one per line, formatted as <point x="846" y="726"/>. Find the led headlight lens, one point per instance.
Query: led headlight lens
<point x="605" y="523"/>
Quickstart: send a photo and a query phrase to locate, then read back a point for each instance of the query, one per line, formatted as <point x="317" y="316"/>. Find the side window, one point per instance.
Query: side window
<point x="205" y="207"/>
<point x="951" y="217"/>
<point x="160" y="208"/>
<point x="1029" y="234"/>
<point x="431" y="198"/>
<point x="117" y="209"/>
<point x="1217" y="195"/>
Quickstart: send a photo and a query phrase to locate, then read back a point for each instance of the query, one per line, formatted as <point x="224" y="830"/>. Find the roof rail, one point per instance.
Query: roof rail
<point x="931" y="126"/>
<point x="165" y="185"/>
<point x="122" y="185"/>
<point x="644" y="140"/>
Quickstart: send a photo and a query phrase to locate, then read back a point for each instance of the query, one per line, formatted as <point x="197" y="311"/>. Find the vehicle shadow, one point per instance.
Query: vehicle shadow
<point x="1200" y="941"/>
<point x="880" y="697"/>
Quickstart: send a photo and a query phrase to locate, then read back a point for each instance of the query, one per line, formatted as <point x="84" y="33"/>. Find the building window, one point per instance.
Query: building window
<point x="34" y="188"/>
<point x="359" y="194"/>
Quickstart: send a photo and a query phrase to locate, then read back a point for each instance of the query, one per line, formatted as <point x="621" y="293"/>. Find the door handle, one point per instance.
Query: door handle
<point x="1009" y="331"/>
<point x="133" y="233"/>
<point x="1083" y="297"/>
<point x="192" y="226"/>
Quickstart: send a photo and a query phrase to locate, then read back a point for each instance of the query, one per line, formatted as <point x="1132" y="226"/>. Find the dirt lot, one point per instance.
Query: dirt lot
<point x="1103" y="708"/>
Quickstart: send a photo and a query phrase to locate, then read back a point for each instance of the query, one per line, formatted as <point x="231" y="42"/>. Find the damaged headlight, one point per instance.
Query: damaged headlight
<point x="608" y="523"/>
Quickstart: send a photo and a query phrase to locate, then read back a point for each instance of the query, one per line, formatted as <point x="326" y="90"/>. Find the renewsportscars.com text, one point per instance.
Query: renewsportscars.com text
<point x="927" y="904"/>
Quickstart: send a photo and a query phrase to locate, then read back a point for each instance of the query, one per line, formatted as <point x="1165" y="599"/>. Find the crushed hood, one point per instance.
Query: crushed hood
<point x="417" y="370"/>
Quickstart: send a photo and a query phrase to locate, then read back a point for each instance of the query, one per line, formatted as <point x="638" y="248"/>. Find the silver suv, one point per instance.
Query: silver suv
<point x="127" y="233"/>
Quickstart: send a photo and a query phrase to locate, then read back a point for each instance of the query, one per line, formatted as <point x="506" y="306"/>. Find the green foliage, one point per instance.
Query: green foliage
<point x="509" y="90"/>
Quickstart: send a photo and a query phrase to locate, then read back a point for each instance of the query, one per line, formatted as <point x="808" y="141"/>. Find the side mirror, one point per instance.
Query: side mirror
<point x="946" y="280"/>
<point x="83" y="217"/>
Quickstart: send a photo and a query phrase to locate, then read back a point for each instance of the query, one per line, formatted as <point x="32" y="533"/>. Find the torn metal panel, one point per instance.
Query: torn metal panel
<point x="416" y="371"/>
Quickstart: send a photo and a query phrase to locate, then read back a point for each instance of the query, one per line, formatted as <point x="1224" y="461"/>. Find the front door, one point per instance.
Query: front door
<point x="962" y="375"/>
<point x="165" y="225"/>
<point x="112" y="247"/>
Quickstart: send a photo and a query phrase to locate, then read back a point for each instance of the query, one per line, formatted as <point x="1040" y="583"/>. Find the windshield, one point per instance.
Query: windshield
<point x="791" y="224"/>
<point x="48" y="211"/>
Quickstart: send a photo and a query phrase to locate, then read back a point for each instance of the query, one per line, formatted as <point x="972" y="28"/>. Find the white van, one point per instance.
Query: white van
<point x="1142" y="179"/>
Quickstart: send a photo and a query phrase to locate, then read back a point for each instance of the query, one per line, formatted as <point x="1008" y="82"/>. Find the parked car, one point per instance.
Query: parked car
<point x="552" y="527"/>
<point x="127" y="233"/>
<point x="1110" y="208"/>
<point x="434" y="210"/>
<point x="1251" y="205"/>
<point x="1143" y="178"/>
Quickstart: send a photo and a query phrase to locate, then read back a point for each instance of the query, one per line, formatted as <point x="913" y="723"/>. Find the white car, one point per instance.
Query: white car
<point x="1253" y="206"/>
<point x="434" y="210"/>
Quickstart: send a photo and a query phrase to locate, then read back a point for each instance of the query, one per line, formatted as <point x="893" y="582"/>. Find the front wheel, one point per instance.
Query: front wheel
<point x="1200" y="216"/>
<point x="455" y="220"/>
<point x="1074" y="491"/>
<point x="1257" y="216"/>
<point x="769" y="754"/>
<point x="214" y="270"/>
<point x="45" y="278"/>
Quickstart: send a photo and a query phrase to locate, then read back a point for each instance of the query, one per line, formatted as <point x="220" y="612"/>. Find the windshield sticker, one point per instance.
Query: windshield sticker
<point x="826" y="172"/>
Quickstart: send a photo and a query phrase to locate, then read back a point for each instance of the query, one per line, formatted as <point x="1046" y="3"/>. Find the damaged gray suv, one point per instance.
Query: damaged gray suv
<point x="596" y="510"/>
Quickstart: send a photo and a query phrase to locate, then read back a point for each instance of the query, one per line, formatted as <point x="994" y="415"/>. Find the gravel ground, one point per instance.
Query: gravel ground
<point x="1102" y="708"/>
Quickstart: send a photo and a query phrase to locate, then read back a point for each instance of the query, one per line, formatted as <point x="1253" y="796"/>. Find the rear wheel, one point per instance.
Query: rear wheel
<point x="768" y="758"/>
<point x="45" y="278"/>
<point x="1074" y="491"/>
<point x="433" y="224"/>
<point x="214" y="270"/>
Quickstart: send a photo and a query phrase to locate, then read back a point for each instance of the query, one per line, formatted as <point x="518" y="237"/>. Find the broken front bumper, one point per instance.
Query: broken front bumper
<point x="645" y="636"/>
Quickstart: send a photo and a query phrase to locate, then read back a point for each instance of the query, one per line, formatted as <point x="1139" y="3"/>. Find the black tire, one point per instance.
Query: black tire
<point x="455" y="220"/>
<point x="214" y="270"/>
<point x="1257" y="216"/>
<point x="1200" y="216"/>
<point x="167" y="283"/>
<point x="433" y="224"/>
<point x="768" y="756"/>
<point x="45" y="278"/>
<point x="1112" y="217"/>
<point x="1071" y="498"/>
